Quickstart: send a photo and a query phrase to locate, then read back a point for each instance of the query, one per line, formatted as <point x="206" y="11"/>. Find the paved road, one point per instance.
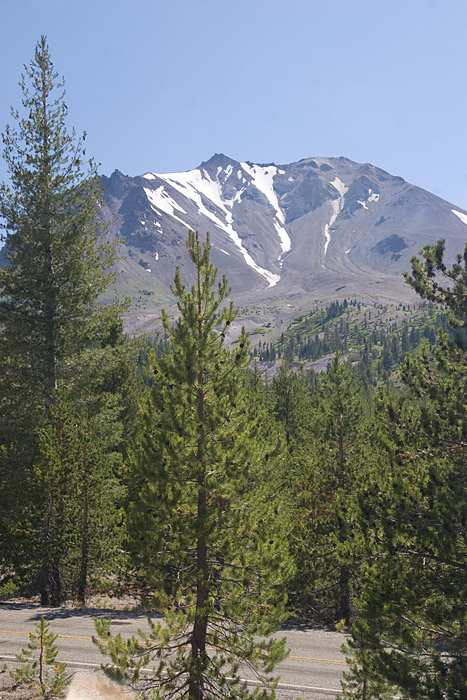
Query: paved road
<point x="314" y="667"/>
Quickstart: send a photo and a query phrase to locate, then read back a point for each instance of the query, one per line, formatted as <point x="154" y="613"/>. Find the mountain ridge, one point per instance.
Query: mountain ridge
<point x="297" y="233"/>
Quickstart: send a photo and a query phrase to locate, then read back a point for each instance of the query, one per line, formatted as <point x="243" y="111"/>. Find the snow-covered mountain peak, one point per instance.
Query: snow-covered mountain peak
<point x="319" y="223"/>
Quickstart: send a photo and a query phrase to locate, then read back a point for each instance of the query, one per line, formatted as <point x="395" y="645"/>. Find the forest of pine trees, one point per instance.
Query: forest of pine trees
<point x="375" y="338"/>
<point x="226" y="499"/>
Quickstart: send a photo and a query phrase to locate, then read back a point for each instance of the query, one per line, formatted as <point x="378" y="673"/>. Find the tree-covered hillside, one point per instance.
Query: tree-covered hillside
<point x="374" y="338"/>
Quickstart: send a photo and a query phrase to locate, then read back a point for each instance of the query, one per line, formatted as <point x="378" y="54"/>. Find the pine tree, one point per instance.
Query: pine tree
<point x="360" y="681"/>
<point x="39" y="669"/>
<point x="429" y="274"/>
<point x="208" y="527"/>
<point x="80" y="470"/>
<point x="57" y="266"/>
<point x="291" y="405"/>
<point x="330" y="549"/>
<point x="413" y="623"/>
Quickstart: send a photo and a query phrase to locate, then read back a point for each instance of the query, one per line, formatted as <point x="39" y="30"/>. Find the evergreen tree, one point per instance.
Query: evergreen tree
<point x="208" y="526"/>
<point x="39" y="670"/>
<point x="429" y="274"/>
<point x="80" y="470"/>
<point x="291" y="404"/>
<point x="413" y="622"/>
<point x="56" y="263"/>
<point x="330" y="549"/>
<point x="57" y="266"/>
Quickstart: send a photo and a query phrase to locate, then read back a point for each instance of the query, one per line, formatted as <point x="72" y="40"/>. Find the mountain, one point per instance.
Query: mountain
<point x="286" y="236"/>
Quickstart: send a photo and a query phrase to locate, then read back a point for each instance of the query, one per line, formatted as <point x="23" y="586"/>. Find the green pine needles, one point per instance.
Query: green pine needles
<point x="39" y="669"/>
<point x="58" y="262"/>
<point x="207" y="526"/>
<point x="53" y="328"/>
<point x="411" y="631"/>
<point x="331" y="547"/>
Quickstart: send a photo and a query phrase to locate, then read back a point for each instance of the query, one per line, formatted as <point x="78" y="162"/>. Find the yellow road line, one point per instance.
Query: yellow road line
<point x="60" y="636"/>
<point x="323" y="661"/>
<point x="89" y="639"/>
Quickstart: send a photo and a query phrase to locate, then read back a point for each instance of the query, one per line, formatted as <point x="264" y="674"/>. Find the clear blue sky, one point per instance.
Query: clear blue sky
<point x="161" y="85"/>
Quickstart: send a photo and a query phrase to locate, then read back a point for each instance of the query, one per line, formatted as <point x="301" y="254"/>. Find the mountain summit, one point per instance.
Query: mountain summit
<point x="316" y="229"/>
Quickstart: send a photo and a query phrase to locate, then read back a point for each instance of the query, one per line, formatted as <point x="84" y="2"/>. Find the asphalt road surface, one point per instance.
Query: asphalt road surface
<point x="313" y="669"/>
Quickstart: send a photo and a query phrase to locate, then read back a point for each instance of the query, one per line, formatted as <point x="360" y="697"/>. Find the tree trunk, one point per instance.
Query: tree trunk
<point x="50" y="359"/>
<point x="343" y="609"/>
<point x="198" y="642"/>
<point x="51" y="584"/>
<point x="83" y="575"/>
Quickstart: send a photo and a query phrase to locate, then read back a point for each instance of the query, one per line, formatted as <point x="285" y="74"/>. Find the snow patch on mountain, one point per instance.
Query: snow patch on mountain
<point x="263" y="180"/>
<point x="336" y="205"/>
<point x="161" y="201"/>
<point x="228" y="172"/>
<point x="196" y="184"/>
<point x="372" y="197"/>
<point x="460" y="215"/>
<point x="339" y="186"/>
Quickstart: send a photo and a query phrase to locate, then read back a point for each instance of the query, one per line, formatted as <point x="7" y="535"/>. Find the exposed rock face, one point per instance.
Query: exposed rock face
<point x="278" y="230"/>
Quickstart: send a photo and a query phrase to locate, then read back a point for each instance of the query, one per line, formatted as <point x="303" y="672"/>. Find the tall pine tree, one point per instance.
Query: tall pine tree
<point x="330" y="550"/>
<point x="412" y="631"/>
<point x="57" y="266"/>
<point x="208" y="525"/>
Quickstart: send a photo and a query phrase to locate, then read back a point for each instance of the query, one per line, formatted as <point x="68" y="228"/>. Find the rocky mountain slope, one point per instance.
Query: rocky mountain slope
<point x="286" y="236"/>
